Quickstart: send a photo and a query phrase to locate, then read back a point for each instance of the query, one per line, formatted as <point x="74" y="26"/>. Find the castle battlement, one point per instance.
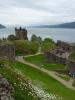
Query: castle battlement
<point x="21" y="34"/>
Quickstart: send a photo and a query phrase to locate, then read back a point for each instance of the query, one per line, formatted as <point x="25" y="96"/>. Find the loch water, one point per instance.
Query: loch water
<point x="67" y="35"/>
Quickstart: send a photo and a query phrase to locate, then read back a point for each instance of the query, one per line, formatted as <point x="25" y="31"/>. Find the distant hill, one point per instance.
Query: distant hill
<point x="64" y="25"/>
<point x="2" y="26"/>
<point x="67" y="25"/>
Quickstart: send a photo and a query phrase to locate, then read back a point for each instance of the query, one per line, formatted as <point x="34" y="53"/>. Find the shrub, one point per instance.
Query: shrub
<point x="11" y="37"/>
<point x="47" y="46"/>
<point x="72" y="56"/>
<point x="26" y="47"/>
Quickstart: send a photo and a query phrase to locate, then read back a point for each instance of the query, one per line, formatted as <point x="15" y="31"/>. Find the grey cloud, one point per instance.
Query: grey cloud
<point x="54" y="8"/>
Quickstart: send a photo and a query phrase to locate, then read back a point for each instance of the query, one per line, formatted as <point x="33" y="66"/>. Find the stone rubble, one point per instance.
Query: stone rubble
<point x="5" y="89"/>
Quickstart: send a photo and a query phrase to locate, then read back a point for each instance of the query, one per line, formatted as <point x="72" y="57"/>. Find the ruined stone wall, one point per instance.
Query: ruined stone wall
<point x="71" y="66"/>
<point x="61" y="55"/>
<point x="61" y="60"/>
<point x="50" y="57"/>
<point x="6" y="89"/>
<point x="64" y="46"/>
<point x="7" y="52"/>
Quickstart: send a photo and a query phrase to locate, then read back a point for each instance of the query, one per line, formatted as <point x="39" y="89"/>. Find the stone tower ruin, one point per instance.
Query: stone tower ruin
<point x="21" y="34"/>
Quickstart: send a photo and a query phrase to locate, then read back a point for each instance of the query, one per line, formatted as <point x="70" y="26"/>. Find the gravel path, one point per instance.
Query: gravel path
<point x="50" y="73"/>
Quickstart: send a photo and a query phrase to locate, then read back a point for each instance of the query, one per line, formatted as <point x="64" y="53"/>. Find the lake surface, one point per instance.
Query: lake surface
<point x="67" y="35"/>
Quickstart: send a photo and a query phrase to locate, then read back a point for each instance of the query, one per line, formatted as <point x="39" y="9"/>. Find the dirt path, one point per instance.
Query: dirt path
<point x="50" y="73"/>
<point x="34" y="54"/>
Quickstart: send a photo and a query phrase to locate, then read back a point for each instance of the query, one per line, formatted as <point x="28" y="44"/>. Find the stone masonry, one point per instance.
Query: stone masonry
<point x="21" y="34"/>
<point x="5" y="89"/>
<point x="61" y="55"/>
<point x="64" y="46"/>
<point x="7" y="51"/>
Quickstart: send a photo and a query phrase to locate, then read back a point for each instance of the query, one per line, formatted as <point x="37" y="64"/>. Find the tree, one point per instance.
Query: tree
<point x="47" y="45"/>
<point x="34" y="38"/>
<point x="39" y="39"/>
<point x="4" y="39"/>
<point x="11" y="37"/>
<point x="26" y="47"/>
<point x="48" y="40"/>
<point x="0" y="40"/>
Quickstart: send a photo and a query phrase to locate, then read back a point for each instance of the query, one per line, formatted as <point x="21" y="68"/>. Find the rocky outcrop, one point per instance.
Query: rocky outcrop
<point x="5" y="89"/>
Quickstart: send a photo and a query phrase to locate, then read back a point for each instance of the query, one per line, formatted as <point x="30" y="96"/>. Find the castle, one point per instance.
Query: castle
<point x="7" y="51"/>
<point x="61" y="55"/>
<point x="21" y="34"/>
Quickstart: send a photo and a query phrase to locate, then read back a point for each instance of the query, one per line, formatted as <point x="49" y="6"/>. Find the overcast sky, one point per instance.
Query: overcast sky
<point x="36" y="11"/>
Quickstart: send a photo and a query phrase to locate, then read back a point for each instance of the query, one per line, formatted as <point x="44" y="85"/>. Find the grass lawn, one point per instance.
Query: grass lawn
<point x="64" y="77"/>
<point x="48" y="83"/>
<point x="41" y="62"/>
<point x="20" y="86"/>
<point x="37" y="59"/>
